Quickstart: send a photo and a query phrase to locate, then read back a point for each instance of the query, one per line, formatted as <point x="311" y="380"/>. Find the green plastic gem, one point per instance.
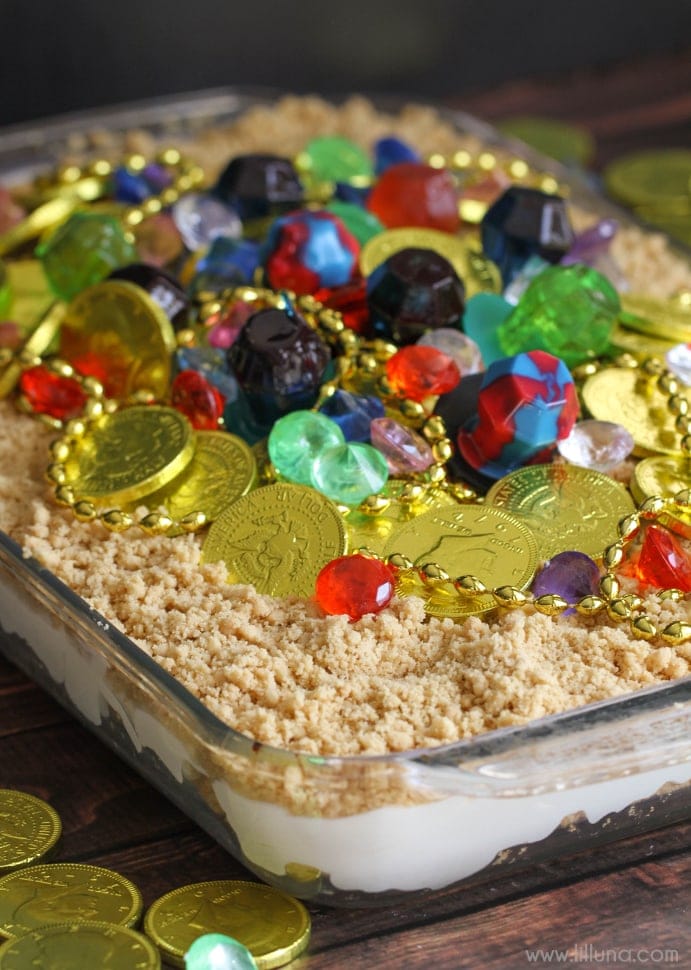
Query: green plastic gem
<point x="569" y="311"/>
<point x="331" y="158"/>
<point x="5" y="291"/>
<point x="297" y="439"/>
<point x="214" y="951"/>
<point x="350" y="472"/>
<point x="82" y="251"/>
<point x="363" y="224"/>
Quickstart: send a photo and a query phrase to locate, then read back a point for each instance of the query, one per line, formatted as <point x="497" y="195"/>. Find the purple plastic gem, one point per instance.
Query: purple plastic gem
<point x="404" y="449"/>
<point x="593" y="248"/>
<point x="570" y="575"/>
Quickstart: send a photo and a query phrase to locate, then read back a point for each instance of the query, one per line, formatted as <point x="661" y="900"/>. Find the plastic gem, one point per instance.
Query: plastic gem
<point x="200" y="218"/>
<point x="570" y="575"/>
<point x="358" y="221"/>
<point x="355" y="585"/>
<point x="227" y="263"/>
<point x="483" y="315"/>
<point x="475" y="199"/>
<point x="297" y="440"/>
<point x="600" y="445"/>
<point x="663" y="562"/>
<point x="84" y="250"/>
<point x="258" y="186"/>
<point x="161" y="287"/>
<point x="413" y="194"/>
<point x="157" y="240"/>
<point x="196" y="398"/>
<point x="130" y="187"/>
<point x="225" y="326"/>
<point x="525" y="276"/>
<point x="47" y="393"/>
<point x="593" y="248"/>
<point x="307" y="250"/>
<point x="678" y="359"/>
<point x="405" y="450"/>
<point x="525" y="405"/>
<point x="569" y="311"/>
<point x="522" y="223"/>
<point x="211" y="364"/>
<point x="353" y="413"/>
<point x="417" y="372"/>
<point x="350" y="301"/>
<point x="214" y="951"/>
<point x="330" y="158"/>
<point x="349" y="473"/>
<point x="279" y="362"/>
<point x="456" y="345"/>
<point x="412" y="291"/>
<point x="391" y="151"/>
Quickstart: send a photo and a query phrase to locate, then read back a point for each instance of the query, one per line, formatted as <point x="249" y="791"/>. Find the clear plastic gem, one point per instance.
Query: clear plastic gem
<point x="456" y="345"/>
<point x="678" y="360"/>
<point x="200" y="219"/>
<point x="600" y="445"/>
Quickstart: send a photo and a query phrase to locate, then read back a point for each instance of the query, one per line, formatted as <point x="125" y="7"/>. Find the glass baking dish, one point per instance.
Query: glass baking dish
<point x="345" y="831"/>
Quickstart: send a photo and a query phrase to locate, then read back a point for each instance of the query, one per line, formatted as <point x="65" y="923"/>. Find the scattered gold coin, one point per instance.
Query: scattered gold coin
<point x="92" y="945"/>
<point x="651" y="177"/>
<point x="273" y="926"/>
<point x="658" y="318"/>
<point x="373" y="531"/>
<point x="566" y="506"/>
<point x="59" y="892"/>
<point x="664" y="475"/>
<point x="29" y="829"/>
<point x="277" y="538"/>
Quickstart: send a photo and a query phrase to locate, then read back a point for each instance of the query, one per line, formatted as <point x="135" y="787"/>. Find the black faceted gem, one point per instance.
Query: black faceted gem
<point x="523" y="223"/>
<point x="413" y="291"/>
<point x="279" y="363"/>
<point x="161" y="287"/>
<point x="257" y="186"/>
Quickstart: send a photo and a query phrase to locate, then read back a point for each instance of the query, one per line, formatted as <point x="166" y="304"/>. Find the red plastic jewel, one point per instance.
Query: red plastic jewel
<point x="417" y="371"/>
<point x="662" y="562"/>
<point x="413" y="194"/>
<point x="47" y="393"/>
<point x="355" y="585"/>
<point x="351" y="302"/>
<point x="200" y="402"/>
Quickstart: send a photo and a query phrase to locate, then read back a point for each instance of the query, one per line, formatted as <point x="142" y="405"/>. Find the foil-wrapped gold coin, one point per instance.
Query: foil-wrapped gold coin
<point x="129" y="454"/>
<point x="641" y="345"/>
<point x="479" y="274"/>
<point x="120" y="327"/>
<point x="650" y="177"/>
<point x="29" y="829"/>
<point x="36" y="344"/>
<point x="479" y="540"/>
<point x="664" y="475"/>
<point x="373" y="530"/>
<point x="60" y="892"/>
<point x="273" y="926"/>
<point x="93" y="945"/>
<point x="628" y="398"/>
<point x="666" y="319"/>
<point x="568" y="507"/>
<point x="30" y="290"/>
<point x="222" y="469"/>
<point x="277" y="538"/>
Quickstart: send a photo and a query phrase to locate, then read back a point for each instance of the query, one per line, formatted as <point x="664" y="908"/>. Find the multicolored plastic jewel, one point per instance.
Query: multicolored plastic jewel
<point x="416" y="372"/>
<point x="525" y="405"/>
<point x="414" y="194"/>
<point x="306" y="250"/>
<point x="355" y="586"/>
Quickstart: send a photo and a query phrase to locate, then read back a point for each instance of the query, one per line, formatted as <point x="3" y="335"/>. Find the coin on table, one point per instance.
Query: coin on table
<point x="373" y="531"/>
<point x="664" y="475"/>
<point x="639" y="344"/>
<point x="222" y="470"/>
<point x="93" y="945"/>
<point x="478" y="540"/>
<point x="628" y="398"/>
<point x="277" y="538"/>
<point x="650" y="176"/>
<point x="29" y="829"/>
<point x="117" y="332"/>
<point x="273" y="926"/>
<point x="568" y="507"/>
<point x="479" y="274"/>
<point x="129" y="454"/>
<point x="58" y="892"/>
<point x="666" y="319"/>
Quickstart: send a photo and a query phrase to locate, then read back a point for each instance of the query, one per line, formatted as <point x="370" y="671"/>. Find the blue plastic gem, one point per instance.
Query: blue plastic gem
<point x="523" y="223"/>
<point x="355" y="194"/>
<point x="353" y="413"/>
<point x="390" y="151"/>
<point x="259" y="185"/>
<point x="227" y="263"/>
<point x="130" y="187"/>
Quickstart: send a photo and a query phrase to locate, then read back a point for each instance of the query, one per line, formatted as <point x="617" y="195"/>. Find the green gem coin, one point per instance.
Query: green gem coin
<point x="349" y="473"/>
<point x="362" y="224"/>
<point x="214" y="951"/>
<point x="568" y="311"/>
<point x="331" y="158"/>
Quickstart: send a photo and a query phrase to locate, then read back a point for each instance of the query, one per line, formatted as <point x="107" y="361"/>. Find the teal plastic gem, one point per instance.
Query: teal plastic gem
<point x="361" y="223"/>
<point x="214" y="951"/>
<point x="349" y="473"/>
<point x="331" y="158"/>
<point x="296" y="441"/>
<point x="483" y="315"/>
<point x="569" y="311"/>
<point x="82" y="251"/>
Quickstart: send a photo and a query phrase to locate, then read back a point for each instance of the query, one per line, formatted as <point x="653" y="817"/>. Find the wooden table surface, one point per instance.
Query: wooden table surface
<point x="632" y="899"/>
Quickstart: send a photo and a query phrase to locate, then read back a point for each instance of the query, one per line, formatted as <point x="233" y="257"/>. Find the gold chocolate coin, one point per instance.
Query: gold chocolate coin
<point x="665" y="319"/>
<point x="60" y="892"/>
<point x="628" y="398"/>
<point x="650" y="177"/>
<point x="639" y="344"/>
<point x="118" y="322"/>
<point x="478" y="273"/>
<point x="373" y="531"/>
<point x="273" y="926"/>
<point x="129" y="454"/>
<point x="664" y="475"/>
<point x="568" y="507"/>
<point x="93" y="945"/>
<point x="29" y="829"/>
<point x="222" y="470"/>
<point x="277" y="538"/>
<point x="35" y="345"/>
<point x="31" y="293"/>
<point x="479" y="540"/>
